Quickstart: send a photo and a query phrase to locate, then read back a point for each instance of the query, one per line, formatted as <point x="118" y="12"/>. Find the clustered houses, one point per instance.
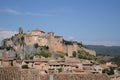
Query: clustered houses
<point x="55" y="43"/>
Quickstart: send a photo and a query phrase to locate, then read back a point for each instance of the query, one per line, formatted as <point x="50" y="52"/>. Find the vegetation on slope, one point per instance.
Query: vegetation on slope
<point x="85" y="55"/>
<point x="109" y="50"/>
<point x="116" y="60"/>
<point x="44" y="54"/>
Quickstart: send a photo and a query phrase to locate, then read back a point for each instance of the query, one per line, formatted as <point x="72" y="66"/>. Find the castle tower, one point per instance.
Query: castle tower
<point x="51" y="34"/>
<point x="51" y="40"/>
<point x="20" y="30"/>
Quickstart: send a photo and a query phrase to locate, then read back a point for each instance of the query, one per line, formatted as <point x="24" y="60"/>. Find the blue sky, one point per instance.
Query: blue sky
<point x="89" y="21"/>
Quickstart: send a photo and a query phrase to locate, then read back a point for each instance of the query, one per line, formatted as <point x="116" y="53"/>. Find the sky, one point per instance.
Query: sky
<point x="92" y="22"/>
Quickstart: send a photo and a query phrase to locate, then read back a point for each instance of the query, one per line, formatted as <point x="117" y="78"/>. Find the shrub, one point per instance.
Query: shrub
<point x="25" y="66"/>
<point x="59" y="69"/>
<point x="74" y="54"/>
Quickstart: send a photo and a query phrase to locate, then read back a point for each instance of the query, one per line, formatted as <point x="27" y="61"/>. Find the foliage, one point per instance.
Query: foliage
<point x="85" y="55"/>
<point x="46" y="47"/>
<point x="36" y="45"/>
<point x="59" y="70"/>
<point x="67" y="42"/>
<point x="116" y="60"/>
<point x="18" y="57"/>
<point x="8" y="48"/>
<point x="22" y="38"/>
<point x="109" y="71"/>
<point x="101" y="61"/>
<point x="66" y="54"/>
<point x="44" y="54"/>
<point x="26" y="56"/>
<point x="43" y="48"/>
<point x="74" y="54"/>
<point x="25" y="66"/>
<point x="80" y="44"/>
<point x="51" y="69"/>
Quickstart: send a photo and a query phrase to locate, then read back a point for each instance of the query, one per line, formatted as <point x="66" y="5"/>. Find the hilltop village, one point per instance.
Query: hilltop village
<point x="42" y="54"/>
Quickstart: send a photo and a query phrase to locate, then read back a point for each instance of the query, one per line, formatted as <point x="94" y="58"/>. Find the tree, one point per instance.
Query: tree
<point x="59" y="70"/>
<point x="85" y="55"/>
<point x="109" y="71"/>
<point x="36" y="46"/>
<point x="66" y="54"/>
<point x="25" y="66"/>
<point x="74" y="54"/>
<point x="22" y="43"/>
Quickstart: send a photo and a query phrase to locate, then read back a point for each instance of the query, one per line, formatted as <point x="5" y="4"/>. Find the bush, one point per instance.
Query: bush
<point x="25" y="66"/>
<point x="59" y="69"/>
<point x="85" y="55"/>
<point x="101" y="61"/>
<point x="109" y="71"/>
<point x="74" y="54"/>
<point x="67" y="42"/>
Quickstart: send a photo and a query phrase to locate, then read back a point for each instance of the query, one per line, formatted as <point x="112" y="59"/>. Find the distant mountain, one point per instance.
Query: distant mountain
<point x="107" y="50"/>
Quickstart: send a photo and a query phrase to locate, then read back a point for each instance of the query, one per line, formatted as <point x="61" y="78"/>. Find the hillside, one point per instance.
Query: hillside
<point x="109" y="50"/>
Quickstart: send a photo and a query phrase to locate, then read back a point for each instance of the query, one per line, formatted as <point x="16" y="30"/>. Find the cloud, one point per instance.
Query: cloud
<point x="15" y="12"/>
<point x="7" y="34"/>
<point x="11" y="11"/>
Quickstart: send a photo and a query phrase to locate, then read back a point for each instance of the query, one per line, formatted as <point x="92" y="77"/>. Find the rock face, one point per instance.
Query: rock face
<point x="14" y="73"/>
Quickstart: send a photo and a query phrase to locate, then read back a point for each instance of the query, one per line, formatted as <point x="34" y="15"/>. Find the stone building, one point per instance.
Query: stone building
<point x="7" y="61"/>
<point x="55" y="43"/>
<point x="37" y="36"/>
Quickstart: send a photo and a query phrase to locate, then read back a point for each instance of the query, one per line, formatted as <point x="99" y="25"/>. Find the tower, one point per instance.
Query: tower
<point x="20" y="30"/>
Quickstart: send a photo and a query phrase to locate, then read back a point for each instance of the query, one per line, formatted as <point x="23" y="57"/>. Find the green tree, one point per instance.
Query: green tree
<point x="109" y="71"/>
<point x="74" y="54"/>
<point x="66" y="54"/>
<point x="36" y="46"/>
<point x="101" y="61"/>
<point x="85" y="55"/>
<point x="25" y="66"/>
<point x="59" y="70"/>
